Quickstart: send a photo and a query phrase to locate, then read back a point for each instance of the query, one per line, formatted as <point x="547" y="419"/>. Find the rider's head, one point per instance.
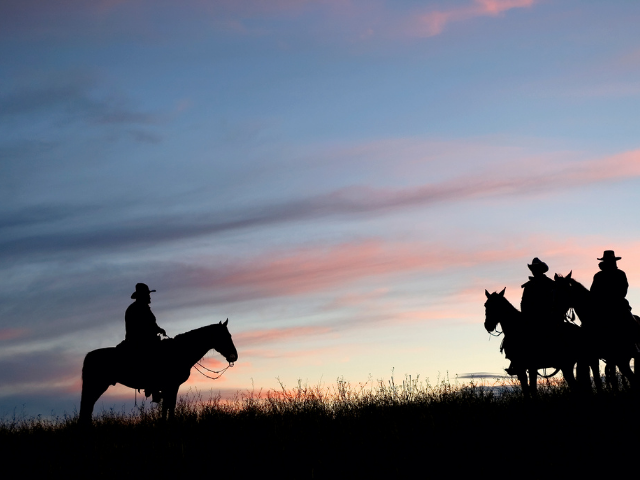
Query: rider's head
<point x="538" y="267"/>
<point x="142" y="293"/>
<point x="608" y="260"/>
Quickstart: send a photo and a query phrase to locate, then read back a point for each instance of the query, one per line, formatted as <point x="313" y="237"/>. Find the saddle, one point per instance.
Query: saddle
<point x="143" y="360"/>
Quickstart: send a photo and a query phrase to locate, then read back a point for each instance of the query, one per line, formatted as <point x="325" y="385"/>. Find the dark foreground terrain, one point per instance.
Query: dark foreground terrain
<point x="345" y="432"/>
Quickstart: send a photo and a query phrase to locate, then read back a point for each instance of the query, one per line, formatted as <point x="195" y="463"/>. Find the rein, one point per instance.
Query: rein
<point x="219" y="372"/>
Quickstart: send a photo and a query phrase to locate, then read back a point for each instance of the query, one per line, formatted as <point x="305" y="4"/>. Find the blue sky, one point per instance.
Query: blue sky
<point x="341" y="179"/>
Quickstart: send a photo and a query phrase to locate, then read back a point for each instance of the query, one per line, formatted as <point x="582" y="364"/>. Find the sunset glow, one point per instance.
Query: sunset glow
<point x="342" y="180"/>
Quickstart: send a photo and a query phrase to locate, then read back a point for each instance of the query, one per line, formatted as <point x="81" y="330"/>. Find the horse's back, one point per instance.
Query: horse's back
<point x="98" y="363"/>
<point x="134" y="366"/>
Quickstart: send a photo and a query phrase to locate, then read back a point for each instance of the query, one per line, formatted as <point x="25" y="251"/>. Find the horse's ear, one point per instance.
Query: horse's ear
<point x="502" y="292"/>
<point x="569" y="276"/>
<point x="555" y="276"/>
<point x="225" y="322"/>
<point x="486" y="293"/>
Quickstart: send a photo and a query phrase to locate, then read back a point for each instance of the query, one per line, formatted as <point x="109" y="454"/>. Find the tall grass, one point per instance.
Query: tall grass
<point x="374" y="428"/>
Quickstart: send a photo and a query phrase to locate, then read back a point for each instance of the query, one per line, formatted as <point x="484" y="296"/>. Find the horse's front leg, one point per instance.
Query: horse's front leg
<point x="610" y="375"/>
<point x="169" y="400"/>
<point x="524" y="382"/>
<point x="533" y="381"/>
<point x="582" y="375"/>
<point x="567" y="373"/>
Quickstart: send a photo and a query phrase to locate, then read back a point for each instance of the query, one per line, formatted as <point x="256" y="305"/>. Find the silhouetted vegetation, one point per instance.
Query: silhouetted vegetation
<point x="342" y="431"/>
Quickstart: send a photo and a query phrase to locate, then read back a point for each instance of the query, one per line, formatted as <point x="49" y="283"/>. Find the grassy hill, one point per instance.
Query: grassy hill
<point x="344" y="431"/>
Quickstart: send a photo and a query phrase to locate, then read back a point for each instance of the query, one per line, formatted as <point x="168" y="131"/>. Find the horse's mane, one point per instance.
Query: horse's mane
<point x="195" y="333"/>
<point x="582" y="290"/>
<point x="507" y="305"/>
<point x="581" y="287"/>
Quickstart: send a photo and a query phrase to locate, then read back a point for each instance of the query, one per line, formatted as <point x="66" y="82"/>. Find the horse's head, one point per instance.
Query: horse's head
<point x="224" y="344"/>
<point x="564" y="291"/>
<point x="492" y="307"/>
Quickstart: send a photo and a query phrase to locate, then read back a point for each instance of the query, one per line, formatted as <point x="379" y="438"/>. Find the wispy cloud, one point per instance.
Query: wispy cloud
<point x="535" y="176"/>
<point x="346" y="18"/>
<point x="74" y="96"/>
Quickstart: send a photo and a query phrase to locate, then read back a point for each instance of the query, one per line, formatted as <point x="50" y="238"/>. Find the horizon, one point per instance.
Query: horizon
<point x="342" y="179"/>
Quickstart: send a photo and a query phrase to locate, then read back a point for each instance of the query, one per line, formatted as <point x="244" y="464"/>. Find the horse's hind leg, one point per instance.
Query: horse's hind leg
<point x="627" y="373"/>
<point x="595" y="369"/>
<point x="91" y="392"/>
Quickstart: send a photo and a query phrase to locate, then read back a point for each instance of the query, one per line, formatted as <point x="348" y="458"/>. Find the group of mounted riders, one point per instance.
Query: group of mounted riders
<point x="548" y="326"/>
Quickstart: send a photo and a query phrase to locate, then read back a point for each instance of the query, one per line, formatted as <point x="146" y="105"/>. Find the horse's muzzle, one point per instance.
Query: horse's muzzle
<point x="232" y="358"/>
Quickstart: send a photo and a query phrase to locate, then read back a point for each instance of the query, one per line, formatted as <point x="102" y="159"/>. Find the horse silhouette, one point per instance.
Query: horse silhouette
<point x="603" y="341"/>
<point x="166" y="371"/>
<point x="530" y="351"/>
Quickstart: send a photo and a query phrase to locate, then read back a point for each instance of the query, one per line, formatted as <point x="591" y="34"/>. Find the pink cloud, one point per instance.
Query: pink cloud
<point x="310" y="270"/>
<point x="276" y="335"/>
<point x="11" y="333"/>
<point x="434" y="22"/>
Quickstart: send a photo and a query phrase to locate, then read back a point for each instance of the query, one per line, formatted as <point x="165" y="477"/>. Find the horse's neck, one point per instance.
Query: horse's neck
<point x="583" y="306"/>
<point x="509" y="316"/>
<point x="194" y="345"/>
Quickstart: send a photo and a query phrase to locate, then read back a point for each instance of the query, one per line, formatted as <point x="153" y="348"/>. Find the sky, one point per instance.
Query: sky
<point x="341" y="179"/>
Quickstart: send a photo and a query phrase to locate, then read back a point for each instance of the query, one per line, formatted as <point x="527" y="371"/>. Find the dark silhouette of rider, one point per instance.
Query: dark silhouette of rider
<point x="537" y="303"/>
<point x="609" y="289"/>
<point x="140" y="322"/>
<point x="142" y="329"/>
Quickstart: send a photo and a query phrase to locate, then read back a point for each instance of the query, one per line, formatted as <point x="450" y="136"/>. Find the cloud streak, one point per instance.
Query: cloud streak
<point x="533" y="178"/>
<point x="106" y="19"/>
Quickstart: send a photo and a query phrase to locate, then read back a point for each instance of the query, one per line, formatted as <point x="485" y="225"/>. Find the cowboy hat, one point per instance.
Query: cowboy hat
<point x="608" y="255"/>
<point x="538" y="266"/>
<point x="141" y="289"/>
